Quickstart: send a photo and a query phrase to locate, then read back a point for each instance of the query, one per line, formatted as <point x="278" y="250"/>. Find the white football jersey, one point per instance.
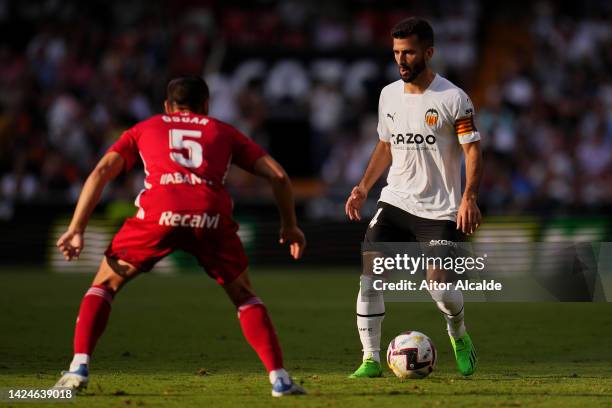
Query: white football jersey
<point x="425" y="131"/>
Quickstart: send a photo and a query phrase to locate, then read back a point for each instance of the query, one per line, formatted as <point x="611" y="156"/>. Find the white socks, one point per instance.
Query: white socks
<point x="450" y="303"/>
<point x="77" y="360"/>
<point x="369" y="334"/>
<point x="370" y="314"/>
<point x="280" y="373"/>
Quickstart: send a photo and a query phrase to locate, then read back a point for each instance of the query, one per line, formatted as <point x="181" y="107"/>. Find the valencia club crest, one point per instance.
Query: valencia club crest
<point x="431" y="117"/>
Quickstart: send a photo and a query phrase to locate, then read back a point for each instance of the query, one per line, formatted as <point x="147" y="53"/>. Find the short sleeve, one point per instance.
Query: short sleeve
<point x="464" y="119"/>
<point x="384" y="133"/>
<point x="127" y="147"/>
<point x="245" y="152"/>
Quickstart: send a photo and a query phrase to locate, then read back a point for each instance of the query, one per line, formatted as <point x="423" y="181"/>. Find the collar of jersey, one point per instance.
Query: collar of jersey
<point x="413" y="95"/>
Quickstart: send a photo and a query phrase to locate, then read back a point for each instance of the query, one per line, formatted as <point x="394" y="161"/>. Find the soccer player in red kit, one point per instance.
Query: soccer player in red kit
<point x="184" y="205"/>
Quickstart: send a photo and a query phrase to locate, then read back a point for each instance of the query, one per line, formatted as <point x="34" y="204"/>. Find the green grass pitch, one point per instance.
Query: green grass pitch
<point x="174" y="341"/>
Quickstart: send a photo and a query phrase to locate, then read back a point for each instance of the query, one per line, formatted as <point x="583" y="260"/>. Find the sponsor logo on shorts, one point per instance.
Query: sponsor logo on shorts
<point x="203" y="220"/>
<point x="442" y="242"/>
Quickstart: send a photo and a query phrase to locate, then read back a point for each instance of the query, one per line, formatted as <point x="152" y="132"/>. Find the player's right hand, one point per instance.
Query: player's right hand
<point x="355" y="202"/>
<point x="296" y="240"/>
<point x="71" y="244"/>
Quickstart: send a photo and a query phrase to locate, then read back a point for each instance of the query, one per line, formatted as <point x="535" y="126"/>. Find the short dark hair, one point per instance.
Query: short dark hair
<point x="190" y="91"/>
<point x="414" y="26"/>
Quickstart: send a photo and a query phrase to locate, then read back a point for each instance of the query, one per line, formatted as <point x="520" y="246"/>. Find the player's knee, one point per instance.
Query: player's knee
<point x="449" y="301"/>
<point x="366" y="284"/>
<point x="440" y="275"/>
<point x="241" y="295"/>
<point x="240" y="290"/>
<point x="114" y="274"/>
<point x="370" y="261"/>
<point x="112" y="283"/>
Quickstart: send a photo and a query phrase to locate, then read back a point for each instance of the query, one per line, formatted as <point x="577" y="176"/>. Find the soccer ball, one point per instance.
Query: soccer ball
<point x="411" y="355"/>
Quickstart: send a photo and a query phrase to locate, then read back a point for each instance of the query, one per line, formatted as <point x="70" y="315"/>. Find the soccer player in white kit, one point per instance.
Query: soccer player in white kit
<point x="425" y="123"/>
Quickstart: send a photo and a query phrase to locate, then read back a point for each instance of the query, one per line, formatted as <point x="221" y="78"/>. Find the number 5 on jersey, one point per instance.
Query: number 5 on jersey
<point x="193" y="147"/>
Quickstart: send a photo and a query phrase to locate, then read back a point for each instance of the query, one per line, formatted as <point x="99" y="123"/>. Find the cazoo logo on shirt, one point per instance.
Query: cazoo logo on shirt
<point x="399" y="140"/>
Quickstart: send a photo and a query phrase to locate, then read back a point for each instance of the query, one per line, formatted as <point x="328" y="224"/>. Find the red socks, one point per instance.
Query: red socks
<point x="93" y="316"/>
<point x="259" y="332"/>
<point x="256" y="326"/>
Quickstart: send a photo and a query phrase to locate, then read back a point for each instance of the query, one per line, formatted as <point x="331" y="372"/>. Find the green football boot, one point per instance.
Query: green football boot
<point x="465" y="354"/>
<point x="369" y="368"/>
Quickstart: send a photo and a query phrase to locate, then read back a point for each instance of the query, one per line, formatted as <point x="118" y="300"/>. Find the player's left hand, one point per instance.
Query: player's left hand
<point x="468" y="216"/>
<point x="296" y="240"/>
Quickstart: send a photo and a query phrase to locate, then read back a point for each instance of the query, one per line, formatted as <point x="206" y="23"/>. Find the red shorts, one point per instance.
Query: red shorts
<point x="211" y="239"/>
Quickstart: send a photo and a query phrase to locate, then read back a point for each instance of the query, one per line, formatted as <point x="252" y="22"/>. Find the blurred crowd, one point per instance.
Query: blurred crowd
<point x="302" y="79"/>
<point x="548" y="121"/>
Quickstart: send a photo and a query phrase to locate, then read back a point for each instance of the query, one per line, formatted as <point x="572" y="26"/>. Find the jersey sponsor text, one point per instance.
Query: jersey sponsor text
<point x="204" y="220"/>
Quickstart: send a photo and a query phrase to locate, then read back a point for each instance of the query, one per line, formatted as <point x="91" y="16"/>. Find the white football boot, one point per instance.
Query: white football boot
<point x="74" y="380"/>
<point x="281" y="388"/>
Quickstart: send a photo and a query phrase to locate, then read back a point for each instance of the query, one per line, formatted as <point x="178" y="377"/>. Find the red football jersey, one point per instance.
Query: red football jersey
<point x="186" y="158"/>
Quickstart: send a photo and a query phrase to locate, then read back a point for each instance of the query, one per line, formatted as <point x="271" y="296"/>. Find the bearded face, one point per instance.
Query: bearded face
<point x="409" y="72"/>
<point x="410" y="58"/>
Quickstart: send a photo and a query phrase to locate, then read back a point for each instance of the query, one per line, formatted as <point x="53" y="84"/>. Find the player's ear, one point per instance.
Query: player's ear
<point x="167" y="107"/>
<point x="429" y="53"/>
